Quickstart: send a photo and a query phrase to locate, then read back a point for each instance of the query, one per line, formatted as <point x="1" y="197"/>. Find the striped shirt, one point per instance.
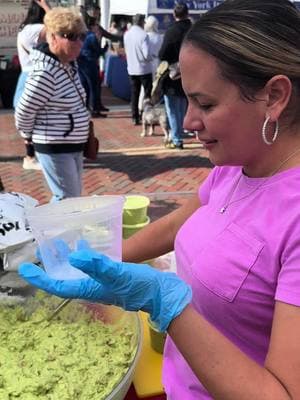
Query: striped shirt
<point x="52" y="107"/>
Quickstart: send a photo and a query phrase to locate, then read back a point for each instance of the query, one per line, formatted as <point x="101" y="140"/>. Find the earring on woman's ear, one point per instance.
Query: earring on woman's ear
<point x="264" y="131"/>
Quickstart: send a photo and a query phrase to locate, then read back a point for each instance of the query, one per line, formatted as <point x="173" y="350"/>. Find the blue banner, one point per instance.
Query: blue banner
<point x="164" y="21"/>
<point x="201" y="5"/>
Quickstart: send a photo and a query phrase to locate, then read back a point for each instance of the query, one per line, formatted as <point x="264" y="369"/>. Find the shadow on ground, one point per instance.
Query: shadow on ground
<point x="160" y="208"/>
<point x="11" y="158"/>
<point x="139" y="167"/>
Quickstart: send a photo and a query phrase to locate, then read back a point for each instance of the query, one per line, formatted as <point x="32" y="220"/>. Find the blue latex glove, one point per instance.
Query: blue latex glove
<point x="131" y="286"/>
<point x="54" y="256"/>
<point x="62" y="251"/>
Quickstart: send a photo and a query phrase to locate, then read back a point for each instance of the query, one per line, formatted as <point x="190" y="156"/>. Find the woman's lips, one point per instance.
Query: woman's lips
<point x="208" y="143"/>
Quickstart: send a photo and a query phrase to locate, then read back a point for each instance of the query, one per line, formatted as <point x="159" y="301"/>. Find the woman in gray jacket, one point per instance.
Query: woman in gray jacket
<point x="51" y="110"/>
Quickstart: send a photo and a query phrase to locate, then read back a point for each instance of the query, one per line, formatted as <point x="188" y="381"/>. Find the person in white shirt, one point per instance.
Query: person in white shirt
<point x="139" y="63"/>
<point x="155" y="40"/>
<point x="31" y="32"/>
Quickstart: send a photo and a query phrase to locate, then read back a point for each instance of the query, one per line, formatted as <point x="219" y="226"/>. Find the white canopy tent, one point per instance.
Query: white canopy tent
<point x="121" y="7"/>
<point x="146" y="7"/>
<point x="150" y="7"/>
<point x="129" y="7"/>
<point x="158" y="6"/>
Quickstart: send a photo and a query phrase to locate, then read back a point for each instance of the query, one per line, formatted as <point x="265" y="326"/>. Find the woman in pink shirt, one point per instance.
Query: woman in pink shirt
<point x="233" y="314"/>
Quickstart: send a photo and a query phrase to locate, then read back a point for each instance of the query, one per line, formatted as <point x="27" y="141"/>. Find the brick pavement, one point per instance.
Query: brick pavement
<point x="126" y="163"/>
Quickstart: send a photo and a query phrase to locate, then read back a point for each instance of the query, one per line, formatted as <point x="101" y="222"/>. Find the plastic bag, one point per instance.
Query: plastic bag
<point x="157" y="85"/>
<point x="166" y="262"/>
<point x="16" y="239"/>
<point x="174" y="71"/>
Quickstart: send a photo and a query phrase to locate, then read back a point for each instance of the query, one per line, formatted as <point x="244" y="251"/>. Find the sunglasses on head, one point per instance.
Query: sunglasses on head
<point x="73" y="36"/>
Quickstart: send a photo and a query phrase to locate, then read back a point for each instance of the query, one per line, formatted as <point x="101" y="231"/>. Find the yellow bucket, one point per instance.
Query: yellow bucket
<point x="135" y="209"/>
<point x="129" y="230"/>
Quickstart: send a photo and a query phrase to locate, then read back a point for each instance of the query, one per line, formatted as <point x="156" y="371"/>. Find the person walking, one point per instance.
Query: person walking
<point x="93" y="21"/>
<point x="31" y="32"/>
<point x="139" y="63"/>
<point x="88" y="67"/>
<point x="51" y="111"/>
<point x="174" y="97"/>
<point x="155" y="40"/>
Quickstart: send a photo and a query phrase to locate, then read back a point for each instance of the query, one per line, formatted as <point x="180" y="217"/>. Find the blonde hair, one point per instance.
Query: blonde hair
<point x="151" y="24"/>
<point x="64" y="20"/>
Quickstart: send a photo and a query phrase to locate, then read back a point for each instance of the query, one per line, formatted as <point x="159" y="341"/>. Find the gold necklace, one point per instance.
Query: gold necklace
<point x="235" y="186"/>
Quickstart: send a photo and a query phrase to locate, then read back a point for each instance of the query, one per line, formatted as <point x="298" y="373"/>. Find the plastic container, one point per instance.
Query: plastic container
<point x="135" y="209"/>
<point x="60" y="227"/>
<point x="157" y="338"/>
<point x="129" y="230"/>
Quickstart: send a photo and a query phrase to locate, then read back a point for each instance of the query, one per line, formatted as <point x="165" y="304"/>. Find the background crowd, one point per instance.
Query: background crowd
<point x="77" y="50"/>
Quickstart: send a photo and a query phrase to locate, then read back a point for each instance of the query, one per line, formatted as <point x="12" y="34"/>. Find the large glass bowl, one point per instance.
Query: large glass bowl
<point x="88" y="351"/>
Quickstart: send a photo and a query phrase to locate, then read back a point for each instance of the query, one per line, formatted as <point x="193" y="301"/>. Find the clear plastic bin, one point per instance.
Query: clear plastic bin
<point x="59" y="227"/>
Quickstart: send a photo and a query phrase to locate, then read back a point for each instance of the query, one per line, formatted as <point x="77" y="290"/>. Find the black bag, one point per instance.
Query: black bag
<point x="92" y="145"/>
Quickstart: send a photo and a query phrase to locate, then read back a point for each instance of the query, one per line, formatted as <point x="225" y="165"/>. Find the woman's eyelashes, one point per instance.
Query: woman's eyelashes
<point x="203" y="105"/>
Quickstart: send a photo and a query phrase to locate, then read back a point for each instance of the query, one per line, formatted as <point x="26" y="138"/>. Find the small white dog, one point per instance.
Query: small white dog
<point x="154" y="115"/>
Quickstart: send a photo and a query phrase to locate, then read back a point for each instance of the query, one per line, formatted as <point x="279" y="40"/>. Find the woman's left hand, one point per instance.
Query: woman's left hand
<point x="43" y="4"/>
<point x="131" y="286"/>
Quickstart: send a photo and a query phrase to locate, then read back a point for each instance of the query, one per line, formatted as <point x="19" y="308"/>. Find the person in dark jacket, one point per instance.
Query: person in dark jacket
<point x="31" y="32"/>
<point x="174" y="97"/>
<point x="88" y="63"/>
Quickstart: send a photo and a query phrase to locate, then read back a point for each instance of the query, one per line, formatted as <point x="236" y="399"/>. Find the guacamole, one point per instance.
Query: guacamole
<point x="75" y="356"/>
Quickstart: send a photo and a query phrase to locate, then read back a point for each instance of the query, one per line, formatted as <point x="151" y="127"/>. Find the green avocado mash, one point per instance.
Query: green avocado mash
<point x="75" y="356"/>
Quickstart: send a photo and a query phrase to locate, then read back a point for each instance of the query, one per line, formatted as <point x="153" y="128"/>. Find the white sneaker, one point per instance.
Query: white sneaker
<point x="31" y="163"/>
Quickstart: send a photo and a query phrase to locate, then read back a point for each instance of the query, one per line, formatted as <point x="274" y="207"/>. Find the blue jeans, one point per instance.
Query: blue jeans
<point x="176" y="107"/>
<point x="63" y="173"/>
<point x="20" y="88"/>
<point x="18" y="93"/>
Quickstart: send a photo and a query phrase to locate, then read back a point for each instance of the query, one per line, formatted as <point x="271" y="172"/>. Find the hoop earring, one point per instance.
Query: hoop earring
<point x="264" y="133"/>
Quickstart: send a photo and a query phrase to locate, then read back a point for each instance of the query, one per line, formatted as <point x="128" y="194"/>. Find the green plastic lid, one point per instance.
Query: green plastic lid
<point x="136" y="202"/>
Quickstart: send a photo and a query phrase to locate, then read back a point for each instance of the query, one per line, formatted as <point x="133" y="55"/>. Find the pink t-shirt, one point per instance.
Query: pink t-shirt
<point x="238" y="263"/>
